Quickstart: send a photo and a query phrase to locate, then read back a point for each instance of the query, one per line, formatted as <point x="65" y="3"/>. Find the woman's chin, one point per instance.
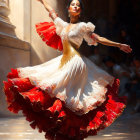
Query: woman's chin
<point x="74" y="14"/>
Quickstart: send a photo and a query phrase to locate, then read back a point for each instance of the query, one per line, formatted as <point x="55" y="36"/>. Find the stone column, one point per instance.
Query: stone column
<point x="13" y="51"/>
<point x="5" y="26"/>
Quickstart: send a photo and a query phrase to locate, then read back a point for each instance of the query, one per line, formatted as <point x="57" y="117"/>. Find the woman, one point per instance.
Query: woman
<point x="68" y="97"/>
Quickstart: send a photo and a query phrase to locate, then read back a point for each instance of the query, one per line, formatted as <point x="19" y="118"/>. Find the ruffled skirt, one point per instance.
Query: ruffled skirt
<point x="72" y="102"/>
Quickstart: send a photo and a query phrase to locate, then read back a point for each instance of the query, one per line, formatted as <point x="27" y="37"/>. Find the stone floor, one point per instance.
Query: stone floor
<point x="126" y="127"/>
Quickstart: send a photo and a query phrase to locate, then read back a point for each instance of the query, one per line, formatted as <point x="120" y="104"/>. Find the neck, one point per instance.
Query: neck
<point x="74" y="19"/>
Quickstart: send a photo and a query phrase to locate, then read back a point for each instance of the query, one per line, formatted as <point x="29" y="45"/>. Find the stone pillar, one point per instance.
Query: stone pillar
<point x="13" y="51"/>
<point x="5" y="26"/>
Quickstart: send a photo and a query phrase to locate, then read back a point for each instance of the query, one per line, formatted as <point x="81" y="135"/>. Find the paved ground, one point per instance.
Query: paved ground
<point x="126" y="127"/>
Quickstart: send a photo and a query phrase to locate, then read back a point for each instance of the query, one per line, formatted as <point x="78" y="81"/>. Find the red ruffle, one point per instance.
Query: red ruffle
<point x="47" y="32"/>
<point x="53" y="117"/>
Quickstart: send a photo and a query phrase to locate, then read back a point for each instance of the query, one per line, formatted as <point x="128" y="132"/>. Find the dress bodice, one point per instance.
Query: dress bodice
<point x="77" y="33"/>
<point x="72" y="37"/>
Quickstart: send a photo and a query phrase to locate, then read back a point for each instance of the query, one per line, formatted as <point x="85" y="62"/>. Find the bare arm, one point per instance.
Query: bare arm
<point x="51" y="11"/>
<point x="124" y="47"/>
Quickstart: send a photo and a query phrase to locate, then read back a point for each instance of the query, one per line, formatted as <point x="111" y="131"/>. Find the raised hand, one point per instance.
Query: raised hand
<point x="126" y="48"/>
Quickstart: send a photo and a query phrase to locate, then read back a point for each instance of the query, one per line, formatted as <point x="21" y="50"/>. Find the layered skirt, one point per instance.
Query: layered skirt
<point x="72" y="102"/>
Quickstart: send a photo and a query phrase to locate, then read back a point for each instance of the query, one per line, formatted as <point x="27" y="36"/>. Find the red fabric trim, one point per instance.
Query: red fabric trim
<point x="47" y="32"/>
<point x="53" y="117"/>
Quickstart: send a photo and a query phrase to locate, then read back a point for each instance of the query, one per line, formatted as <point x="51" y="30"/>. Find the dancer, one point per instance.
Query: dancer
<point x="68" y="97"/>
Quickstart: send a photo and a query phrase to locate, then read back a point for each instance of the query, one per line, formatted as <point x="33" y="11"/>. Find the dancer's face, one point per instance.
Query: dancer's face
<point x="74" y="8"/>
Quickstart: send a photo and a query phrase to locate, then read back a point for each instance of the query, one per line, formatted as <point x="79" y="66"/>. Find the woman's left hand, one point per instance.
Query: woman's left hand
<point x="126" y="48"/>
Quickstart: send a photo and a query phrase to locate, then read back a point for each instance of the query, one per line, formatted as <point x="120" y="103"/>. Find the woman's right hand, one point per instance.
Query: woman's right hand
<point x="126" y="48"/>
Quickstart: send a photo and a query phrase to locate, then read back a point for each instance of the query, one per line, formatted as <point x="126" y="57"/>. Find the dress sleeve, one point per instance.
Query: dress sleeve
<point x="47" y="32"/>
<point x="89" y="29"/>
<point x="59" y="24"/>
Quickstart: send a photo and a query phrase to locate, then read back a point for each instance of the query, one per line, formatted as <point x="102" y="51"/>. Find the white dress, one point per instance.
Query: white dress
<point x="79" y="83"/>
<point x="66" y="99"/>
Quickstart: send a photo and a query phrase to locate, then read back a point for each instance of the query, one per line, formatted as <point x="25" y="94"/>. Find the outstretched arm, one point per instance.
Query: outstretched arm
<point x="124" y="47"/>
<point x="51" y="11"/>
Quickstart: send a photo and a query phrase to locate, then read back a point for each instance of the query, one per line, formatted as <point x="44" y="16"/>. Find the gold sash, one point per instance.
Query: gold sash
<point x="69" y="50"/>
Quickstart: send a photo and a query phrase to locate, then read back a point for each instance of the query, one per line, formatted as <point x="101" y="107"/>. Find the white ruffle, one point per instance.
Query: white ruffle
<point x="90" y="27"/>
<point x="60" y="24"/>
<point x="77" y="33"/>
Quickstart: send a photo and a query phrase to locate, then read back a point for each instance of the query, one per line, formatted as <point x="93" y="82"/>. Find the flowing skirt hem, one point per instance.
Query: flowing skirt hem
<point x="51" y="116"/>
